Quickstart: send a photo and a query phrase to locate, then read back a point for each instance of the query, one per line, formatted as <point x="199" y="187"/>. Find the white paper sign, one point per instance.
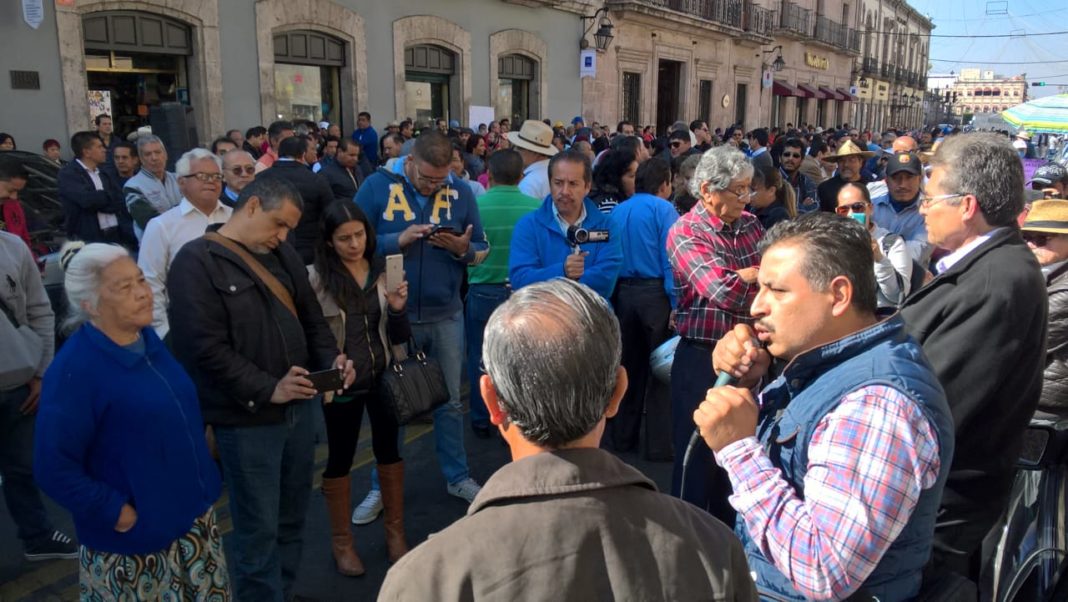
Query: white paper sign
<point x="33" y="12"/>
<point x="766" y="80"/>
<point x="588" y="63"/>
<point x="479" y="115"/>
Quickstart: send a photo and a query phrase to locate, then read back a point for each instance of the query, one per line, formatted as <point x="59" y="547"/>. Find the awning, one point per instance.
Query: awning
<point x="781" y="88"/>
<point x="847" y="95"/>
<point x="808" y="91"/>
<point x="831" y="94"/>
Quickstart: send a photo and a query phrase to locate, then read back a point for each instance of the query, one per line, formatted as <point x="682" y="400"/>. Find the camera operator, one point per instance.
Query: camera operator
<point x="547" y="243"/>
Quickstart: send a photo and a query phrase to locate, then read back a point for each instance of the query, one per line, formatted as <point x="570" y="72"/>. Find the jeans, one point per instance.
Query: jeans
<point x="16" y="465"/>
<point x="707" y="485"/>
<point x="268" y="471"/>
<point x="444" y="341"/>
<point x="482" y="299"/>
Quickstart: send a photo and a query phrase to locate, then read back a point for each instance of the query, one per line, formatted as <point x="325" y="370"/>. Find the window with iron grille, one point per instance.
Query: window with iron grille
<point x="705" y="101"/>
<point x="632" y="97"/>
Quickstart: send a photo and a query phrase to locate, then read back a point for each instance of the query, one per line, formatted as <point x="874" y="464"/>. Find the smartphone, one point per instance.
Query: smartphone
<point x="327" y="380"/>
<point x="861" y="218"/>
<point x="394" y="271"/>
<point x="446" y="229"/>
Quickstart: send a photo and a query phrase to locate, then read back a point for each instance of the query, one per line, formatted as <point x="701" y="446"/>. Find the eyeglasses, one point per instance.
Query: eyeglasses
<point x="930" y="201"/>
<point x="676" y="144"/>
<point x="1039" y="239"/>
<point x="207" y="178"/>
<point x="742" y="195"/>
<point x="429" y="180"/>
<point x="851" y="208"/>
<point x="791" y="155"/>
<point x="248" y="170"/>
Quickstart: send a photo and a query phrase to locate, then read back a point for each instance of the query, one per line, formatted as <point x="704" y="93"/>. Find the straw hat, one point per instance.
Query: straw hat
<point x="849" y="149"/>
<point x="1048" y="216"/>
<point x="1023" y="135"/>
<point x="534" y="136"/>
<point x="144" y="130"/>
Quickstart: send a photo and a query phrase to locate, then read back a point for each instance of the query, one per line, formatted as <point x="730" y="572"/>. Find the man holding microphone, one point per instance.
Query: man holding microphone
<point x="837" y="465"/>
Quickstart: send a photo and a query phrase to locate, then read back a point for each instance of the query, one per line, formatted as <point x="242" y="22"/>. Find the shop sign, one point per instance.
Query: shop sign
<point x="816" y="61"/>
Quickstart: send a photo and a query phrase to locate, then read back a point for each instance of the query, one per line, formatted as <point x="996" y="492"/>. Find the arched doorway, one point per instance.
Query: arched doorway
<point x="135" y="61"/>
<point x="431" y="83"/>
<point x="517" y="88"/>
<point x="307" y="76"/>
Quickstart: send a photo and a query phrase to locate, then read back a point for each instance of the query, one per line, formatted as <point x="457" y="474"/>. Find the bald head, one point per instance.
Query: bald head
<point x="905" y="144"/>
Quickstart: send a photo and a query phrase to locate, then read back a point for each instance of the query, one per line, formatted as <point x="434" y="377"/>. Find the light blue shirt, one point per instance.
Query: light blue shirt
<point x="908" y="224"/>
<point x="563" y="222"/>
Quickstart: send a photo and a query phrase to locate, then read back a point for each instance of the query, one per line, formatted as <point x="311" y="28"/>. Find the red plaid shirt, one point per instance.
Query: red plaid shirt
<point x="705" y="255"/>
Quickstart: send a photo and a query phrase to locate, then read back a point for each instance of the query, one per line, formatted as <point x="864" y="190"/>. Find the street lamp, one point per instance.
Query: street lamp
<point x="603" y="36"/>
<point x="776" y="65"/>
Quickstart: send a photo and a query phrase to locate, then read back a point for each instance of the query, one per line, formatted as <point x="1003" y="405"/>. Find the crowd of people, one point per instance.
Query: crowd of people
<point x="891" y="307"/>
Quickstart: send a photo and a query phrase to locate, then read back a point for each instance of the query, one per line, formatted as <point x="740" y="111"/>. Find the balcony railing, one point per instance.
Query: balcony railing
<point x="870" y="66"/>
<point x="727" y="12"/>
<point x="887" y="70"/>
<point x="796" y="19"/>
<point x="758" y="19"/>
<point x="832" y="33"/>
<point x="854" y="40"/>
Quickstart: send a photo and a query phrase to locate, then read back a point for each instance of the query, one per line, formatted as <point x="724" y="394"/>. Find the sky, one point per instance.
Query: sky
<point x="970" y="18"/>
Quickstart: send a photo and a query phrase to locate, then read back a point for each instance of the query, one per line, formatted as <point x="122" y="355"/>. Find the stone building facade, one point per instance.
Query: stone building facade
<point x="982" y="91"/>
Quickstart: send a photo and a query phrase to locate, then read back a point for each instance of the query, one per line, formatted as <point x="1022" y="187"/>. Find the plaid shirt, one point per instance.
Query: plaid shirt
<point x="868" y="461"/>
<point x="705" y="255"/>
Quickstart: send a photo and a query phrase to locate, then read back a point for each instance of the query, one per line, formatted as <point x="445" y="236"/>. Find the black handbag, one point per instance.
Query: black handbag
<point x="413" y="386"/>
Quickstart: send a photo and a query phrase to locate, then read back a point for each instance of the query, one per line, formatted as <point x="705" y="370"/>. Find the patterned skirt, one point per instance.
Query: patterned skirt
<point x="192" y="569"/>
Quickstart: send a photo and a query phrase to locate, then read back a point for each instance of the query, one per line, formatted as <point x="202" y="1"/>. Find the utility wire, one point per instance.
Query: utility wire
<point x="981" y="62"/>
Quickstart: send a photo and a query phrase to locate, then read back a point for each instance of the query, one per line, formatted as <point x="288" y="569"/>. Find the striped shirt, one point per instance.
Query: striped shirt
<point x="706" y="254"/>
<point x="868" y="461"/>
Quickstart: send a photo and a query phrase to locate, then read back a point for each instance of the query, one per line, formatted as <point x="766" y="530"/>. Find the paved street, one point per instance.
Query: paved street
<point x="428" y="509"/>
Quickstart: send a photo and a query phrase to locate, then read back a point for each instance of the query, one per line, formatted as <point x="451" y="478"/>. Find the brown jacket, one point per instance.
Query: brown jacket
<point x="575" y="524"/>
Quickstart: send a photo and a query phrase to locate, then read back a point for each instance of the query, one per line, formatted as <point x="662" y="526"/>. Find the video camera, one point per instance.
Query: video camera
<point x="577" y="235"/>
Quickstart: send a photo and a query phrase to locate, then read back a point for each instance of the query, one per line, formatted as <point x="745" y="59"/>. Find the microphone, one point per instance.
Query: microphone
<point x="724" y="378"/>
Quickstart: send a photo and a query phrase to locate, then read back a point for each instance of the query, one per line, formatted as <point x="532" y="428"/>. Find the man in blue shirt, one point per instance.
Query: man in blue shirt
<point x="367" y="137"/>
<point x="643" y="301"/>
<point x="899" y="210"/>
<point x="540" y="248"/>
<point x="418" y="209"/>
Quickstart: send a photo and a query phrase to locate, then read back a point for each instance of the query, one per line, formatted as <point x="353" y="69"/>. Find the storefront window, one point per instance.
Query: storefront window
<point x="307" y="76"/>
<point x="427" y="98"/>
<point x="429" y="80"/>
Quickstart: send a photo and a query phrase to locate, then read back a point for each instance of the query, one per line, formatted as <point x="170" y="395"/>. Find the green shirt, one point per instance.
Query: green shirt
<point x="499" y="209"/>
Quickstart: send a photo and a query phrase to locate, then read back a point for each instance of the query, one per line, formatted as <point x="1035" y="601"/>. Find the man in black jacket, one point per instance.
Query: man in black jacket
<point x="344" y="174"/>
<point x="982" y="324"/>
<point x="93" y="205"/>
<point x="313" y="189"/>
<point x="249" y="349"/>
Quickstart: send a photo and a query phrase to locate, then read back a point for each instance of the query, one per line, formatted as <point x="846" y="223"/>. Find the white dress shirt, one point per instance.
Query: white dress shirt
<point x="164" y="237"/>
<point x="535" y="180"/>
<point x="953" y="258"/>
<point x="106" y="221"/>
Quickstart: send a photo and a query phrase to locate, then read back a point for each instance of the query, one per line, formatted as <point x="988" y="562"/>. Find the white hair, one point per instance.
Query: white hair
<point x="184" y="166"/>
<point x="145" y="139"/>
<point x="720" y="166"/>
<point x="83" y="264"/>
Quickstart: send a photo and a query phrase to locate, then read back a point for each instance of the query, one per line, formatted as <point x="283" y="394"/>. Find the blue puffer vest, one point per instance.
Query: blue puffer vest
<point x="810" y="387"/>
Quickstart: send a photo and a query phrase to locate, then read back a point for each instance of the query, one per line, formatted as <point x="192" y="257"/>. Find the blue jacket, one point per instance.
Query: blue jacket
<point x="539" y="249"/>
<point x="368" y="139"/>
<point x="434" y="275"/>
<point x="643" y="222"/>
<point x="813" y="385"/>
<point x="116" y="427"/>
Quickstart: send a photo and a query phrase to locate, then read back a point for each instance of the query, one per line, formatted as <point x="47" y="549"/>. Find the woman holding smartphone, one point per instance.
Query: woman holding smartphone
<point x="893" y="264"/>
<point x="367" y="320"/>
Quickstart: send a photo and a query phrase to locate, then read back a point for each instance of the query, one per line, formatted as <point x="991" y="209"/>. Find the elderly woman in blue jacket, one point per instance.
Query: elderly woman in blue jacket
<point x="120" y="443"/>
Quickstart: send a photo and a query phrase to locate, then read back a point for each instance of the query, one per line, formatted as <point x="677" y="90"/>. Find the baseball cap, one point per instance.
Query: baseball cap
<point x="1049" y="174"/>
<point x="903" y="162"/>
<point x="577" y="119"/>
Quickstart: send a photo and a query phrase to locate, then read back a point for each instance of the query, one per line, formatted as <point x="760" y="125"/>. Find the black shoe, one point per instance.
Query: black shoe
<point x="482" y="432"/>
<point x="50" y="547"/>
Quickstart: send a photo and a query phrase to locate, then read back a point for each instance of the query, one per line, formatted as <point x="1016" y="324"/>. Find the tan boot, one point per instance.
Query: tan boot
<point x="391" y="479"/>
<point x="337" y="495"/>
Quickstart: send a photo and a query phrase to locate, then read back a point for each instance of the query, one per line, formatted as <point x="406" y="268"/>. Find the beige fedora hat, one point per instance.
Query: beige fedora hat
<point x="534" y="136"/>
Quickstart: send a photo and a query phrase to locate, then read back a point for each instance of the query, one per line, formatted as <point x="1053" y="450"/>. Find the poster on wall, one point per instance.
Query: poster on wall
<point x="588" y="63"/>
<point x="33" y="12"/>
<point x="99" y="103"/>
<point x="478" y="114"/>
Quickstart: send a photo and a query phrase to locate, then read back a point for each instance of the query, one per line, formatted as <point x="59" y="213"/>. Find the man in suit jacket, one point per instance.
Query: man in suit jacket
<point x="982" y="324"/>
<point x="93" y="205"/>
<point x="314" y="191"/>
<point x="344" y="174"/>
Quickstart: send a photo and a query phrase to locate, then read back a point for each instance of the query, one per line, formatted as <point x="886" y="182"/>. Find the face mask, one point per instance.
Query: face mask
<point x="861" y="218"/>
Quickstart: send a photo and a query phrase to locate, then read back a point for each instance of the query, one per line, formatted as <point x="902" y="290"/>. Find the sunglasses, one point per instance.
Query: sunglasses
<point x="248" y="170"/>
<point x="791" y="155"/>
<point x="852" y="208"/>
<point x="1039" y="239"/>
<point x="676" y="144"/>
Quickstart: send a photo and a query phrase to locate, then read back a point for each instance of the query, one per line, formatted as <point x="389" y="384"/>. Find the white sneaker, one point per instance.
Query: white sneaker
<point x="466" y="489"/>
<point x="369" y="508"/>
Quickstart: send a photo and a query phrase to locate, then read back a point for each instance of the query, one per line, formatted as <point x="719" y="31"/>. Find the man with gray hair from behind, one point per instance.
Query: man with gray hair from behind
<point x="566" y="520"/>
<point x="200" y="181"/>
